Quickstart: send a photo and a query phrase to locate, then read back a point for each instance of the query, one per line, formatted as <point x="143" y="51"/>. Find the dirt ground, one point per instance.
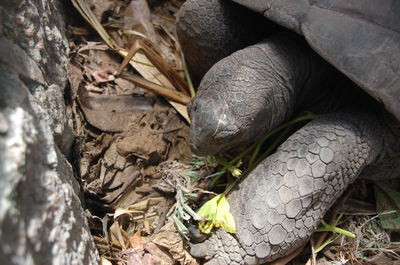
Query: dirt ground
<point x="140" y="181"/>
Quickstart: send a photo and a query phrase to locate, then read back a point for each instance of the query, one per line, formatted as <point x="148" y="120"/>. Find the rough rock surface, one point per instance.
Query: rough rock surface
<point x="41" y="217"/>
<point x="33" y="43"/>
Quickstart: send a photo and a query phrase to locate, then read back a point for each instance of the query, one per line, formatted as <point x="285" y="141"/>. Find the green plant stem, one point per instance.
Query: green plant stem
<point x="228" y="166"/>
<point x="231" y="186"/>
<point x="334" y="229"/>
<point x="189" y="81"/>
<point x="257" y="146"/>
<point x="217" y="176"/>
<point x="327" y="242"/>
<point x="223" y="162"/>
<point x="271" y="148"/>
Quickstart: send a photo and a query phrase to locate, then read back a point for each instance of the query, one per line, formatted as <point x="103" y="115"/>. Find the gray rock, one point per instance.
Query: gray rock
<point x="39" y="29"/>
<point x="41" y="216"/>
<point x="33" y="43"/>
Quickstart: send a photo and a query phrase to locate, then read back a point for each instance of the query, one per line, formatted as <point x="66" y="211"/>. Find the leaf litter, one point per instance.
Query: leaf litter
<point x="132" y="148"/>
<point x="132" y="153"/>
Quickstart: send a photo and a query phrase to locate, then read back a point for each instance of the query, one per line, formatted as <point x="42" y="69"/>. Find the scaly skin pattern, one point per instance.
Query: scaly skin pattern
<point x="215" y="29"/>
<point x="280" y="203"/>
<point x="277" y="207"/>
<point x="253" y="95"/>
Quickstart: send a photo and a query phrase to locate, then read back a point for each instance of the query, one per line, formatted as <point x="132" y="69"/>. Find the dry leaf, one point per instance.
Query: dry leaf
<point x="116" y="236"/>
<point x="104" y="261"/>
<point x="137" y="240"/>
<point x="148" y="72"/>
<point x="111" y="113"/>
<point x="169" y="238"/>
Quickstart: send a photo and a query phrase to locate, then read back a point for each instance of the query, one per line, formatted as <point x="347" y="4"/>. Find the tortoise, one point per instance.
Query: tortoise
<point x="262" y="61"/>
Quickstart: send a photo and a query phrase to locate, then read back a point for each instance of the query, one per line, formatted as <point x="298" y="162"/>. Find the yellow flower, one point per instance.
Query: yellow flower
<point x="216" y="212"/>
<point x="235" y="171"/>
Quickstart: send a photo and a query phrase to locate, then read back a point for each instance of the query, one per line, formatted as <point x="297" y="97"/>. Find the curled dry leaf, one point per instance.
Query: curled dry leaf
<point x="119" y="185"/>
<point x="144" y="205"/>
<point x="169" y="238"/>
<point x="155" y="251"/>
<point x="116" y="235"/>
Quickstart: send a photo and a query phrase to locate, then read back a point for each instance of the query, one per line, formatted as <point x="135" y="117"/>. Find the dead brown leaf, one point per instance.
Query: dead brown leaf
<point x="126" y="132"/>
<point x="148" y="72"/>
<point x="169" y="238"/>
<point x="116" y="236"/>
<point x="111" y="113"/>
<point x="119" y="184"/>
<point x="138" y="256"/>
<point x="137" y="240"/>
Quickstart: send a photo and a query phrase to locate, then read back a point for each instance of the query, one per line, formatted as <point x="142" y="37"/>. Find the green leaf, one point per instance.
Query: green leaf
<point x="388" y="207"/>
<point x="217" y="214"/>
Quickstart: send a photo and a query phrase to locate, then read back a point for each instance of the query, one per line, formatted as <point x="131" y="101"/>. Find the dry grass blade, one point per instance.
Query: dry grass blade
<point x="84" y="9"/>
<point x="158" y="62"/>
<point x="148" y="72"/>
<point x="168" y="93"/>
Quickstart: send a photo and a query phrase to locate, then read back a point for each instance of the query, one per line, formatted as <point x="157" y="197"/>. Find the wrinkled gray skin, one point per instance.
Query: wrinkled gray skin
<point x="253" y="90"/>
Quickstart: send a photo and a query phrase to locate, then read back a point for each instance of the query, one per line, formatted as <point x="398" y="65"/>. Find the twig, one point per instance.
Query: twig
<point x="153" y="87"/>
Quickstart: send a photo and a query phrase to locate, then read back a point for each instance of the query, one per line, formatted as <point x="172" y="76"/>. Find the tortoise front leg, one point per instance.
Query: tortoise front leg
<point x="280" y="203"/>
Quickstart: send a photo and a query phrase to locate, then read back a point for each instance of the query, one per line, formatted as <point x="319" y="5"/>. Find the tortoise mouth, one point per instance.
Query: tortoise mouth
<point x="219" y="141"/>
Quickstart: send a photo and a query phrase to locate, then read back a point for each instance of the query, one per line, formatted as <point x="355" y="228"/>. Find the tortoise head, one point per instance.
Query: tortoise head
<point x="212" y="128"/>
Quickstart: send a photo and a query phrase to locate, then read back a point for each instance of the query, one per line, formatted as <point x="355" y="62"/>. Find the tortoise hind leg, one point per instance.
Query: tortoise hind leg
<point x="279" y="204"/>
